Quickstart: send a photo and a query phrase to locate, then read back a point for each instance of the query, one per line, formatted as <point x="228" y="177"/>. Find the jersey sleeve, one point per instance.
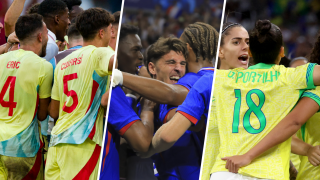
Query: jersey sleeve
<point x="301" y="77"/>
<point x="197" y="100"/>
<point x="45" y="83"/>
<point x="188" y="80"/>
<point x="102" y="57"/>
<point x="121" y="115"/>
<point x="55" y="88"/>
<point x="164" y="110"/>
<point x="313" y="94"/>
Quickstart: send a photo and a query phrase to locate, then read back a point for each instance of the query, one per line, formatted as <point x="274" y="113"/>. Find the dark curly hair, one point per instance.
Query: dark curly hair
<point x="28" y="25"/>
<point x="127" y="29"/>
<point x="91" y="21"/>
<point x="33" y="9"/>
<point x="49" y="8"/>
<point x="314" y="56"/>
<point x="116" y="16"/>
<point x="71" y="3"/>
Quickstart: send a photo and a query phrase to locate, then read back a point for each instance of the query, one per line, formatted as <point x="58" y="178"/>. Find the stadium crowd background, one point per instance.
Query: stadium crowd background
<point x="163" y="18"/>
<point x="111" y="6"/>
<point x="297" y="19"/>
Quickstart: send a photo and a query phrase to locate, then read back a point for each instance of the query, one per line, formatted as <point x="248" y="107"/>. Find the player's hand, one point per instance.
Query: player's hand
<point x="117" y="78"/>
<point x="13" y="39"/>
<point x="235" y="162"/>
<point x="61" y="45"/>
<point x="314" y="155"/>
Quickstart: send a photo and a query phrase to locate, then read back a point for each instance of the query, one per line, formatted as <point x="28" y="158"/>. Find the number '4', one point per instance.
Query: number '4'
<point x="253" y="108"/>
<point x="11" y="82"/>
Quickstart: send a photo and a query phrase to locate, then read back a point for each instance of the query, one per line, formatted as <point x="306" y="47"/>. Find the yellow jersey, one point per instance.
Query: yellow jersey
<point x="249" y="104"/>
<point x="310" y="134"/>
<point x="80" y="80"/>
<point x="24" y="78"/>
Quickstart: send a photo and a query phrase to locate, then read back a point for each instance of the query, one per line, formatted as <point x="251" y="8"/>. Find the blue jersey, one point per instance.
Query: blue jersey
<point x="121" y="117"/>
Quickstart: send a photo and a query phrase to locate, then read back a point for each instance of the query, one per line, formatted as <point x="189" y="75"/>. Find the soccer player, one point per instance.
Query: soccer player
<point x="56" y="16"/>
<point x="75" y="42"/>
<point x="25" y="84"/>
<point x="114" y="34"/>
<point x="253" y="96"/>
<point x="80" y="80"/>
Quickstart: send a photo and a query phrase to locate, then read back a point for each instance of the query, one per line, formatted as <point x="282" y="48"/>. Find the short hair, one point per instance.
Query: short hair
<point x="116" y="16"/>
<point x="73" y="32"/>
<point x="71" y="3"/>
<point x="51" y="8"/>
<point x="265" y="42"/>
<point x="28" y="25"/>
<point x="33" y="9"/>
<point x="202" y="38"/>
<point x="163" y="46"/>
<point x="90" y="21"/>
<point x="127" y="29"/>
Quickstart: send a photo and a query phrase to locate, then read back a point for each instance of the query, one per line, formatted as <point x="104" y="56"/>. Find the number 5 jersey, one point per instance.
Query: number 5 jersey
<point x="248" y="105"/>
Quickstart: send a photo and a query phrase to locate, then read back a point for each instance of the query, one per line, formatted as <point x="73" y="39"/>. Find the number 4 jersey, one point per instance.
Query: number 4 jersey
<point x="80" y="80"/>
<point x="24" y="78"/>
<point x="249" y="104"/>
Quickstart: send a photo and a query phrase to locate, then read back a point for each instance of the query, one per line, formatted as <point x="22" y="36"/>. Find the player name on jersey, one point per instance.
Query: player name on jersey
<point x="13" y="65"/>
<point x="72" y="62"/>
<point x="254" y="76"/>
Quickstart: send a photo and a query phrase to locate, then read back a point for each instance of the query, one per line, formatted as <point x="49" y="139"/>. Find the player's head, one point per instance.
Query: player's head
<point x="32" y="31"/>
<point x="233" y="51"/>
<point x="56" y="16"/>
<point x="33" y="9"/>
<point x="266" y="44"/>
<point x="129" y="49"/>
<point x="202" y="41"/>
<point x="298" y="61"/>
<point x="95" y="25"/>
<point x="74" y="37"/>
<point x="115" y="25"/>
<point x="74" y="8"/>
<point x="167" y="59"/>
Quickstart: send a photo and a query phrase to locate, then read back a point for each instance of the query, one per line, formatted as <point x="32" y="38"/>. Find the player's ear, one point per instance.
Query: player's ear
<point x="249" y="52"/>
<point x="57" y="19"/>
<point x="101" y="33"/>
<point x="282" y="52"/>
<point x="39" y="37"/>
<point x="152" y="68"/>
<point x="221" y="53"/>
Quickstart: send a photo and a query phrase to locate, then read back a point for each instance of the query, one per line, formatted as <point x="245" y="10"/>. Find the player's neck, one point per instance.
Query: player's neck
<point x="95" y="42"/>
<point x="195" y="66"/>
<point x="31" y="47"/>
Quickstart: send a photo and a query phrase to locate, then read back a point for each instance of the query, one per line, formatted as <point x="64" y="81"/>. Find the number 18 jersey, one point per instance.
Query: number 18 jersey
<point x="249" y="104"/>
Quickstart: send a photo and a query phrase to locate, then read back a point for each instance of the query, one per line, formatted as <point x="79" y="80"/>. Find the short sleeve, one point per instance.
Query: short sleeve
<point x="198" y="99"/>
<point x="301" y="77"/>
<point x="45" y="83"/>
<point x="121" y="115"/>
<point x="101" y="57"/>
<point x="313" y="94"/>
<point x="164" y="110"/>
<point x="55" y="88"/>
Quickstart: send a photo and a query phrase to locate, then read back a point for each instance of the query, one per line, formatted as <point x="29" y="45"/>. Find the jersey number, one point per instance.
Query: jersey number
<point x="71" y="93"/>
<point x="11" y="81"/>
<point x="253" y="108"/>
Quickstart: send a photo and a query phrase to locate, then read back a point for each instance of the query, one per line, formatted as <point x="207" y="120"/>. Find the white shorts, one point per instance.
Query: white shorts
<point x="231" y="176"/>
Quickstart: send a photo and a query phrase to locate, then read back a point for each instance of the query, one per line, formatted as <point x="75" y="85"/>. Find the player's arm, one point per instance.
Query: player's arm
<point x="3" y="48"/>
<point x="54" y="109"/>
<point x="12" y="16"/>
<point x="316" y="75"/>
<point x="168" y="134"/>
<point x="283" y="131"/>
<point x="302" y="148"/>
<point x="155" y="90"/>
<point x="43" y="108"/>
<point x="195" y="128"/>
<point x="105" y="99"/>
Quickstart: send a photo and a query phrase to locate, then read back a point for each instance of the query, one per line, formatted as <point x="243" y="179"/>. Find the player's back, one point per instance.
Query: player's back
<point x="249" y="104"/>
<point x="21" y="74"/>
<point x="310" y="134"/>
<point x="80" y="80"/>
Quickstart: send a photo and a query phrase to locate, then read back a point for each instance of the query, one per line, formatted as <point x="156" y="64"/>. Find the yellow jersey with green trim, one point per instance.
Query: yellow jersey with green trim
<point x="80" y="80"/>
<point x="249" y="104"/>
<point x="24" y="78"/>
<point x="310" y="134"/>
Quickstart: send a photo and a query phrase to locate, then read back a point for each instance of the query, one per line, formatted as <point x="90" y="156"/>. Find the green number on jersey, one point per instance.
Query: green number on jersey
<point x="253" y="108"/>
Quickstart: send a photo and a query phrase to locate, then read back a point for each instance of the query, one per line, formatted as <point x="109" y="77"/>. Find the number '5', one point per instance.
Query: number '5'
<point x="71" y="93"/>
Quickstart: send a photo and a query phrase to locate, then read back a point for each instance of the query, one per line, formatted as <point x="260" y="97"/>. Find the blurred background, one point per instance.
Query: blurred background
<point x="162" y="18"/>
<point x="297" y="19"/>
<point x="111" y="6"/>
